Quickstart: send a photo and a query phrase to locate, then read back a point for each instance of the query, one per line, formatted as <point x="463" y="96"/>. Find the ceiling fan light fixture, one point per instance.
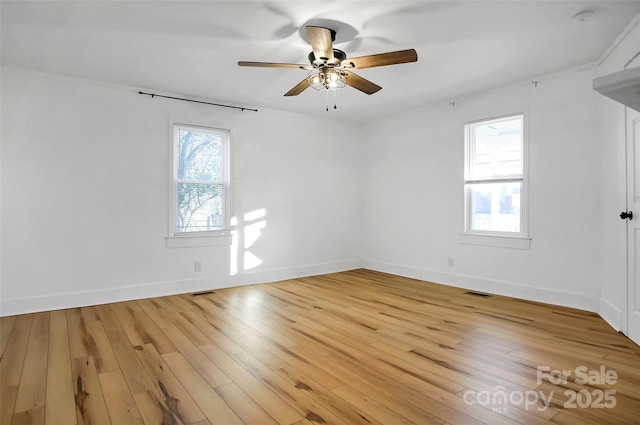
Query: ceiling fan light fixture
<point x="327" y="79"/>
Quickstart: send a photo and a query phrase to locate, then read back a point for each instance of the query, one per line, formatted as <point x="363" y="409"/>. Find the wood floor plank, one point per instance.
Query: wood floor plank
<point x="121" y="406"/>
<point x="24" y="321"/>
<point x="152" y="308"/>
<point x="243" y="405"/>
<point x="338" y="406"/>
<point x="213" y="329"/>
<point x="108" y="317"/>
<point x="173" y="394"/>
<point x="90" y="406"/>
<point x="361" y="352"/>
<point x="6" y="327"/>
<point x="32" y="388"/>
<point x="124" y="314"/>
<point x="214" y="408"/>
<point x="201" y="363"/>
<point x="443" y="378"/>
<point x="254" y="320"/>
<point x="246" y="339"/>
<point x="79" y="345"/>
<point x="100" y="348"/>
<point x="311" y="362"/>
<point x="13" y="358"/>
<point x="381" y="413"/>
<point x="277" y="408"/>
<point x="304" y="422"/>
<point x="306" y="336"/>
<point x="60" y="400"/>
<point x="29" y="417"/>
<point x="7" y="403"/>
<point x="134" y="373"/>
<point x="90" y="313"/>
<point x="267" y="351"/>
<point x="385" y="391"/>
<point x="292" y="394"/>
<point x="182" y="324"/>
<point x="151" y="333"/>
<point x="335" y="323"/>
<point x="245" y="334"/>
<point x="269" y="316"/>
<point x="154" y="410"/>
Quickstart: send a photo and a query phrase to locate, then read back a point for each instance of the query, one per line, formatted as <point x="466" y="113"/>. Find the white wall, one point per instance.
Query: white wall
<point x="414" y="195"/>
<point x="613" y="249"/>
<point x="85" y="198"/>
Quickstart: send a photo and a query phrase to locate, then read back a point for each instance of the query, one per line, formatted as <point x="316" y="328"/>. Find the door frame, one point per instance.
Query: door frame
<point x="631" y="325"/>
<point x="629" y="307"/>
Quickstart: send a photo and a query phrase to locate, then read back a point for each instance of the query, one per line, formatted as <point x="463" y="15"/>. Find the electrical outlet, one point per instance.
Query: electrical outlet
<point x="198" y="266"/>
<point x="450" y="261"/>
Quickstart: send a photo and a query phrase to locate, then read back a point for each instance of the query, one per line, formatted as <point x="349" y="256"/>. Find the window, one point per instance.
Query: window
<point x="200" y="191"/>
<point x="494" y="176"/>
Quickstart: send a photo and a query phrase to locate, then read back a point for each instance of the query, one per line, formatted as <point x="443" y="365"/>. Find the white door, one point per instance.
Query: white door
<point x="633" y="224"/>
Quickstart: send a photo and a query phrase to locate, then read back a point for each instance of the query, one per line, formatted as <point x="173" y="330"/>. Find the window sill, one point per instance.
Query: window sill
<point x="190" y="241"/>
<point x="513" y="242"/>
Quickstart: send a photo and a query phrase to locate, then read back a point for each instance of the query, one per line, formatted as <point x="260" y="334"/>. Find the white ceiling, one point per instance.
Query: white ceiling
<point x="192" y="48"/>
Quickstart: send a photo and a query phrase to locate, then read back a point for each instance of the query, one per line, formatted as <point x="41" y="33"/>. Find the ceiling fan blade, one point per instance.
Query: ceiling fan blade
<point x="321" y="42"/>
<point x="274" y="65"/>
<point x="298" y="88"/>
<point x="383" y="59"/>
<point x="361" y="84"/>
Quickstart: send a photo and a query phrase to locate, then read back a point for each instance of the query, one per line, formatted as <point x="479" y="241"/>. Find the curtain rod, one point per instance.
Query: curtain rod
<point x="198" y="101"/>
<point x="631" y="60"/>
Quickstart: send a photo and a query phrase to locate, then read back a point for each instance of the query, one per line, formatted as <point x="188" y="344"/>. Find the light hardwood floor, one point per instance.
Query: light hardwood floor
<point x="357" y="347"/>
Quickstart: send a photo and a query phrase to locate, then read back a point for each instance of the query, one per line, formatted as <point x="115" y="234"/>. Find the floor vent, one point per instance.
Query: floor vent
<point x="202" y="293"/>
<point x="478" y="294"/>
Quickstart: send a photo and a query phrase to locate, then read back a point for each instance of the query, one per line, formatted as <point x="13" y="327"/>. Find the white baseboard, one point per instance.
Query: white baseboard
<point x="509" y="289"/>
<point x="10" y="307"/>
<point x="611" y="314"/>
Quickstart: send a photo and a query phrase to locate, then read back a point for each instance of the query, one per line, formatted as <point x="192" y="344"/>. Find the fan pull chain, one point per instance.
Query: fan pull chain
<point x="335" y="103"/>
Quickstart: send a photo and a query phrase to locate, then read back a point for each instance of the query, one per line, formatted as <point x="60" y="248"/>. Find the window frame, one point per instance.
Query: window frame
<point x="177" y="239"/>
<point x="495" y="237"/>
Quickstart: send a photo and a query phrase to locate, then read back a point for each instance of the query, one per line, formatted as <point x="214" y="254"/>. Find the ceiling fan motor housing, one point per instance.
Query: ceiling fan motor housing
<point x="338" y="57"/>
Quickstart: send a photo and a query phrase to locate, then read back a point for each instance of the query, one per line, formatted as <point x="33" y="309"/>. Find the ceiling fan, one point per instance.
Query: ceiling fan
<point x="331" y="69"/>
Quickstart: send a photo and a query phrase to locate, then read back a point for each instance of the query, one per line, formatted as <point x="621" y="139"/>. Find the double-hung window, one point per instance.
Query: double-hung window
<point x="494" y="176"/>
<point x="200" y="192"/>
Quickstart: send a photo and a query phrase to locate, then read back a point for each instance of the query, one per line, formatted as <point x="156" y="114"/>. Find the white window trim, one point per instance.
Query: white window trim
<point x="498" y="241"/>
<point x="197" y="241"/>
<point x="519" y="240"/>
<point x="205" y="238"/>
